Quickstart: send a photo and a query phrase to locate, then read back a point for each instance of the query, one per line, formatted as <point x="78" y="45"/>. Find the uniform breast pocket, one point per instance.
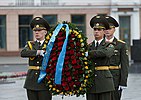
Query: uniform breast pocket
<point x="116" y="56"/>
<point x="108" y="74"/>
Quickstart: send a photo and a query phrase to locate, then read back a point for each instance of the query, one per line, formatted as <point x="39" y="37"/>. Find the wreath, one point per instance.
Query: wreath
<point x="76" y="76"/>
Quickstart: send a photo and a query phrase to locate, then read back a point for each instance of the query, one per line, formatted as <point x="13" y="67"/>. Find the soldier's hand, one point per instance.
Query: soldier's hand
<point x="40" y="52"/>
<point x="122" y="87"/>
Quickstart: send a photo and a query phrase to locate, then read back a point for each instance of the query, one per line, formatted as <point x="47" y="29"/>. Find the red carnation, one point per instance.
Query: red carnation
<point x="67" y="73"/>
<point x="72" y="35"/>
<point x="53" y="48"/>
<point x="71" y="41"/>
<point x="72" y="57"/>
<point x="60" y="34"/>
<point x="77" y="83"/>
<point x="59" y="48"/>
<point x="69" y="78"/>
<point x="71" y="84"/>
<point x="67" y="88"/>
<point x="66" y="68"/>
<point x="64" y="83"/>
<point x="74" y="61"/>
<point x="61" y="38"/>
<point x="71" y="52"/>
<point x="78" y="44"/>
<point x="72" y="45"/>
<point x="78" y="66"/>
<point x="66" y="63"/>
<point x="54" y="58"/>
<point x="60" y="44"/>
<point x="67" y="58"/>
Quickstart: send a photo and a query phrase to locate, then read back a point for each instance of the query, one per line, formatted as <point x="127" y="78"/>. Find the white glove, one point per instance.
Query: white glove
<point x="86" y="54"/>
<point x="122" y="87"/>
<point x="40" y="52"/>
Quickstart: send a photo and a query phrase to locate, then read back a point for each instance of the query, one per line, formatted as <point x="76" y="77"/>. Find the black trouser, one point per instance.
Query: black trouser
<point x="39" y="95"/>
<point x="116" y="95"/>
<point x="99" y="96"/>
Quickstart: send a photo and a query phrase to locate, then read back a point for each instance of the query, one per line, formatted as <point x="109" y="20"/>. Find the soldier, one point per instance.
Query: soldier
<point x="99" y="53"/>
<point x="119" y="62"/>
<point x="34" y="51"/>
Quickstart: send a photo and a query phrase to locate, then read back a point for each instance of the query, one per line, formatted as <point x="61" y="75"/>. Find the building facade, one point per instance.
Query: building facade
<point x="15" y="17"/>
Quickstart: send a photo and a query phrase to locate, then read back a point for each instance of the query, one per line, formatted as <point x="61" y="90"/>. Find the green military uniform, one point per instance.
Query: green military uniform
<point x="35" y="90"/>
<point x="119" y="64"/>
<point x="103" y="79"/>
<point x="100" y="57"/>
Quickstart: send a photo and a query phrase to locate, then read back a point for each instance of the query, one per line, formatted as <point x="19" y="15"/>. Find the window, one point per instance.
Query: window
<point x="2" y="31"/>
<point x="49" y="2"/>
<point x="125" y="28"/>
<point x="24" y="2"/>
<point x="80" y="22"/>
<point x="25" y="32"/>
<point x="51" y="19"/>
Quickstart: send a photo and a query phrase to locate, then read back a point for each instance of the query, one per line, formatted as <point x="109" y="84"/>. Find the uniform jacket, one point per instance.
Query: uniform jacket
<point x="103" y="80"/>
<point x="32" y="75"/>
<point x="120" y="58"/>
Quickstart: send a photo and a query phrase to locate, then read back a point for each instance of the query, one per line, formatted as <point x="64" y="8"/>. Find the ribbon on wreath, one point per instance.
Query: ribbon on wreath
<point x="60" y="60"/>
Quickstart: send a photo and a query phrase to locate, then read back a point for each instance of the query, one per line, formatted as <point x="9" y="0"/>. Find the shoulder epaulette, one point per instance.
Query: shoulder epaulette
<point x="30" y="44"/>
<point x="121" y="41"/>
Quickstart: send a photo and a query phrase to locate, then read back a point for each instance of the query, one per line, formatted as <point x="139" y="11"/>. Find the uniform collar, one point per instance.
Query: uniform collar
<point x="99" y="41"/>
<point x="41" y="42"/>
<point x="110" y="40"/>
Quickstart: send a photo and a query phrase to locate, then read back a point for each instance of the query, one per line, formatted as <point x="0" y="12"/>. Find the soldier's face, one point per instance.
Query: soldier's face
<point x="40" y="34"/>
<point x="98" y="33"/>
<point x="109" y="32"/>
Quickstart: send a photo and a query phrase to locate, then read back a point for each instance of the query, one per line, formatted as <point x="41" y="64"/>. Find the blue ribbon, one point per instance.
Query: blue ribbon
<point x="60" y="61"/>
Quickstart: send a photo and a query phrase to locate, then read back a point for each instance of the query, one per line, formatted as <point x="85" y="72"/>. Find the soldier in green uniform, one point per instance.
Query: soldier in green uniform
<point x="119" y="62"/>
<point x="99" y="53"/>
<point x="34" y="50"/>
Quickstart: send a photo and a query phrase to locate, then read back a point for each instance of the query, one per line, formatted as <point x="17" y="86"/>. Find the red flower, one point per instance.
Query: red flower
<point x="74" y="61"/>
<point x="67" y="58"/>
<point x="69" y="78"/>
<point x="72" y="45"/>
<point x="66" y="63"/>
<point x="54" y="58"/>
<point x="59" y="48"/>
<point x="72" y="35"/>
<point x="48" y="77"/>
<point x="64" y="84"/>
<point x="71" y="41"/>
<point x="59" y="44"/>
<point x="67" y="88"/>
<point x="75" y="72"/>
<point x="78" y="44"/>
<point x="60" y="38"/>
<point x="68" y="74"/>
<point x="78" y="66"/>
<point x="78" y="83"/>
<point x="73" y="57"/>
<point x="71" y="52"/>
<point x="71" y="84"/>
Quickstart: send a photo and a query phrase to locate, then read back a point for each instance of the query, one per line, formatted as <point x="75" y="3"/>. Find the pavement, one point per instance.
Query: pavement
<point x="12" y="89"/>
<point x="13" y="73"/>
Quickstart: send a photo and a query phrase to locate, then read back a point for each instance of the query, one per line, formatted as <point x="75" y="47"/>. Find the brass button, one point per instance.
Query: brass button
<point x="38" y="67"/>
<point x="37" y="62"/>
<point x="36" y="73"/>
<point x="95" y="75"/>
